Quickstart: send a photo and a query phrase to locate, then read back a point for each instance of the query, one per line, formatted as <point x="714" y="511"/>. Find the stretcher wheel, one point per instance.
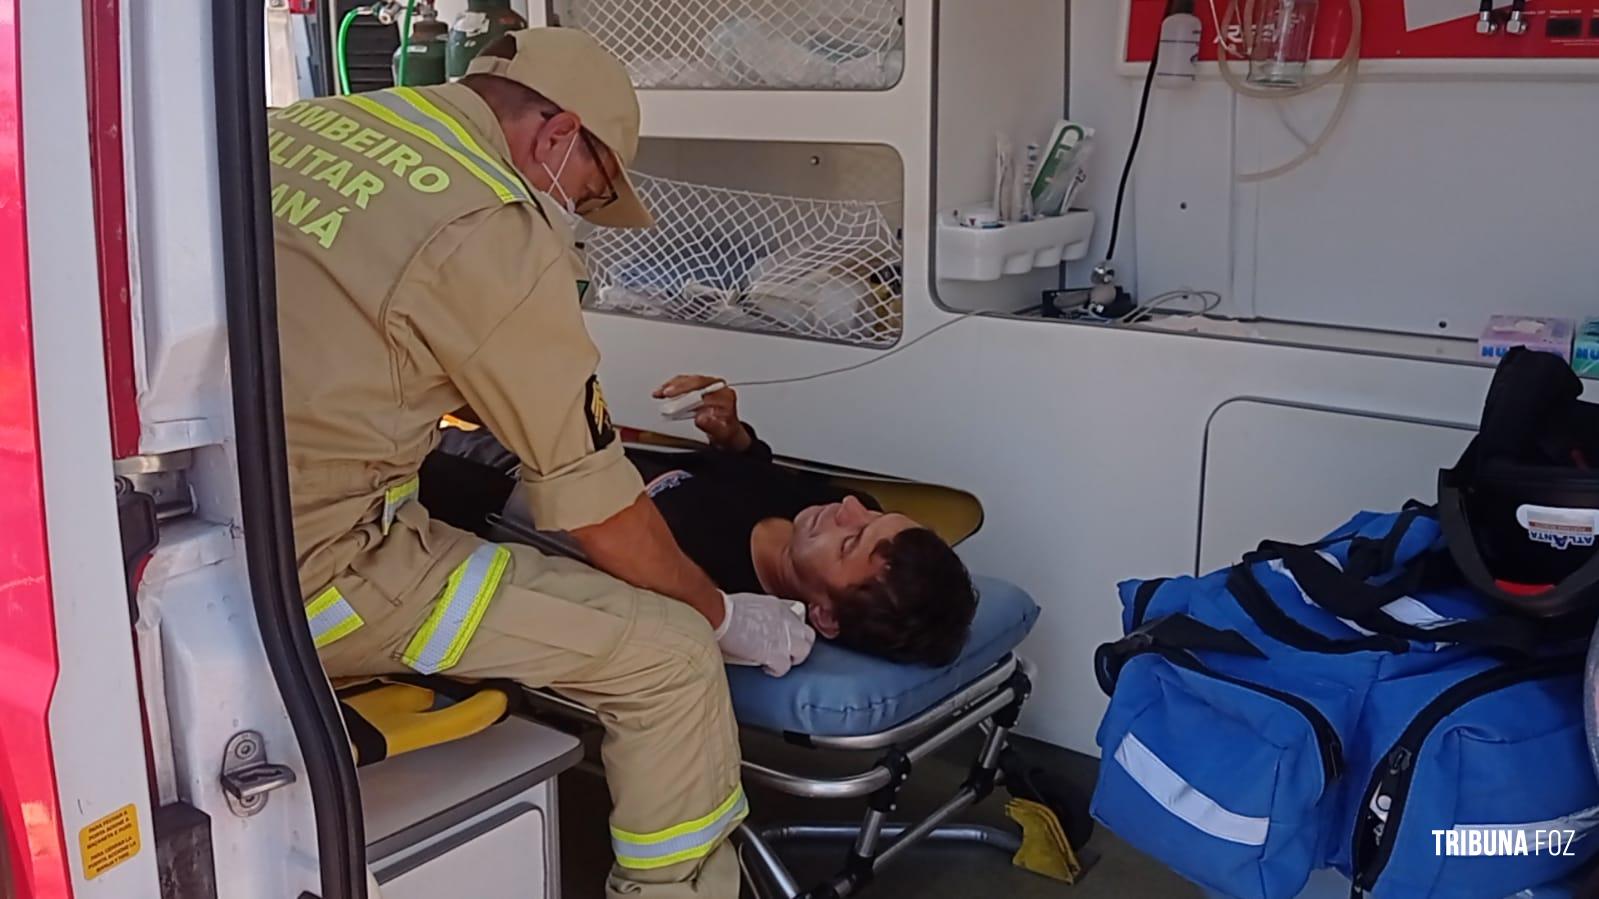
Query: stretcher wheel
<point x="1024" y="780"/>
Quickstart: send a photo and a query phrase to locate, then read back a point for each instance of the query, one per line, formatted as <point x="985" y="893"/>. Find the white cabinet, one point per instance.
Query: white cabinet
<point x="476" y="817"/>
<point x="488" y="861"/>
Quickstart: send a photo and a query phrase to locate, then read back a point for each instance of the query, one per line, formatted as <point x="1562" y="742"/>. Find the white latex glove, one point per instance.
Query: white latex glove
<point x="763" y="630"/>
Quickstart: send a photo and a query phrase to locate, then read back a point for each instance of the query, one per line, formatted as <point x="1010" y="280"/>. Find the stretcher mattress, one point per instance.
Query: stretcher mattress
<point x="841" y="693"/>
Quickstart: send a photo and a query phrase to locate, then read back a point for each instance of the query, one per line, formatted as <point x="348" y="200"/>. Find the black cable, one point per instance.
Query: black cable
<point x="250" y="296"/>
<point x="1132" y="150"/>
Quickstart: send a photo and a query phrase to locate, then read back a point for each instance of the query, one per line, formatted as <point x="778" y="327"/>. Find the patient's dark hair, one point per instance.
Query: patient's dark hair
<point x="919" y="609"/>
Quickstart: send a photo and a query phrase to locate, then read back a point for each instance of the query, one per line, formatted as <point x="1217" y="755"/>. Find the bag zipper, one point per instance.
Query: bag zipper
<point x="1327" y="742"/>
<point x="1383" y="804"/>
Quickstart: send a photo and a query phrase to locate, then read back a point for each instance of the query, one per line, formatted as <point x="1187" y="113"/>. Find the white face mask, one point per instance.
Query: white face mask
<point x="555" y="179"/>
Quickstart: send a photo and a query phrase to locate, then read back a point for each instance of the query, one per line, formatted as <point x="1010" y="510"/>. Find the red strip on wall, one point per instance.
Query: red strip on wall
<point x="103" y="48"/>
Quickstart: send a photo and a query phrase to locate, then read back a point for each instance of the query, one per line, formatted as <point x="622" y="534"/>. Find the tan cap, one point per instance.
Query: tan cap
<point x="574" y="72"/>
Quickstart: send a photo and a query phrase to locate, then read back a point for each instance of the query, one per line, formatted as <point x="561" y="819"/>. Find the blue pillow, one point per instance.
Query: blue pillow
<point x="841" y="693"/>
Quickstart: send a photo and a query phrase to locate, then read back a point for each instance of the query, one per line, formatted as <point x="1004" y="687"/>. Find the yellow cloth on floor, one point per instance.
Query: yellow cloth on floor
<point x="1045" y="849"/>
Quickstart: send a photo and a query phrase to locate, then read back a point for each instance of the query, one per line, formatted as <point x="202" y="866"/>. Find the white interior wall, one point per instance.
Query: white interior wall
<point x="1088" y="445"/>
<point x="1377" y="463"/>
<point x="1437" y="201"/>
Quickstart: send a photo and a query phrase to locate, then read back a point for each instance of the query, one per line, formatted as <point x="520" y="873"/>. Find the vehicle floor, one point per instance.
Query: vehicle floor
<point x="931" y="871"/>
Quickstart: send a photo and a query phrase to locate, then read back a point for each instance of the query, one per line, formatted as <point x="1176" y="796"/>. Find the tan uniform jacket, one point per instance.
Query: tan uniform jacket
<point x="417" y="274"/>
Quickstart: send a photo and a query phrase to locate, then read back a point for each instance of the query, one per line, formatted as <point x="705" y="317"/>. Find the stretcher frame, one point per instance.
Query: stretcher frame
<point x="990" y="704"/>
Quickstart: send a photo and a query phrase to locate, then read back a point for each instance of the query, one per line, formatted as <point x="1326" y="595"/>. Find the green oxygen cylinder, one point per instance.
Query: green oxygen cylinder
<point x="426" y="62"/>
<point x="483" y="23"/>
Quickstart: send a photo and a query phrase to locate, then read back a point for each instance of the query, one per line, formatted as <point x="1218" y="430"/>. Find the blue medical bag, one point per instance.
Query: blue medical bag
<point x="1348" y="704"/>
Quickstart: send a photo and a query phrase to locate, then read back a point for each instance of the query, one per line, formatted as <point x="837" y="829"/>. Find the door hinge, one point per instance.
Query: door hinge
<point x="247" y="777"/>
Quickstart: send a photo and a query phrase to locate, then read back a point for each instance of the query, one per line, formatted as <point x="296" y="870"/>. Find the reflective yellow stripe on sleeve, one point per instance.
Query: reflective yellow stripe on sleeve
<point x="689" y="841"/>
<point x="407" y="110"/>
<point x="332" y="618"/>
<point x="397" y="496"/>
<point x="442" y="639"/>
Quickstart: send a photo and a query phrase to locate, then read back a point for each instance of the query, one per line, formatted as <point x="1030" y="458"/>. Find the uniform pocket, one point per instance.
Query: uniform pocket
<point x="416" y="557"/>
<point x="414" y="517"/>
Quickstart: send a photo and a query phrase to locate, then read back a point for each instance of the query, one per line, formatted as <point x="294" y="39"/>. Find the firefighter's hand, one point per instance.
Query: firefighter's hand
<point x="763" y="630"/>
<point x="717" y="417"/>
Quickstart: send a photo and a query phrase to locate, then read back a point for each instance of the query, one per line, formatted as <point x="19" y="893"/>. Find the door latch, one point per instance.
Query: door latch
<point x="247" y="777"/>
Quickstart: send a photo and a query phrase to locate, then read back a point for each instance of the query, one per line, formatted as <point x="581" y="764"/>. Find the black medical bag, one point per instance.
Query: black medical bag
<point x="1520" y="510"/>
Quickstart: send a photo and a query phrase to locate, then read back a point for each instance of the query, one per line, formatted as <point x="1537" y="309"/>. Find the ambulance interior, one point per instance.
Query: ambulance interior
<point x="1298" y="348"/>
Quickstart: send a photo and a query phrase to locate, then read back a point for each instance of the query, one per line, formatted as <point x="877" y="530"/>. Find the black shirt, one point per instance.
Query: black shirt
<point x="711" y="499"/>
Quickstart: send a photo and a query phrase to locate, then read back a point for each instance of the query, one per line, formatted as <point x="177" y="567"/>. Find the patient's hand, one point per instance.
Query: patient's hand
<point x="717" y="417"/>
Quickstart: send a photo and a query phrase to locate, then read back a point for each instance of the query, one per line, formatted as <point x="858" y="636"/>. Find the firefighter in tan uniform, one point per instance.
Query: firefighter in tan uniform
<point x="423" y="268"/>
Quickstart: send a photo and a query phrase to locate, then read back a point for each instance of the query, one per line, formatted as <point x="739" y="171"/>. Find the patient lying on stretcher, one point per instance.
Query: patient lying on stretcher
<point x="877" y="582"/>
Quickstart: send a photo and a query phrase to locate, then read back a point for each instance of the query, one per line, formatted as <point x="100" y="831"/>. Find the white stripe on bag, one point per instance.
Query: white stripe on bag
<point x="1405" y="609"/>
<point x="1180" y="797"/>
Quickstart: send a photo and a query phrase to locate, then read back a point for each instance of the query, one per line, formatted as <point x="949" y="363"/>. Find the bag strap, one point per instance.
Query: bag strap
<point x="1167" y="634"/>
<point x="1456" y="524"/>
<point x="1368" y="556"/>
<point x="1141" y="598"/>
<point x="1346" y="591"/>
<point x="1259" y="605"/>
<point x="1353" y="599"/>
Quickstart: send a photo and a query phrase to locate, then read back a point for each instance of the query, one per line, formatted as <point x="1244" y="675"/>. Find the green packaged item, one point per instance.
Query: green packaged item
<point x="1585" y="355"/>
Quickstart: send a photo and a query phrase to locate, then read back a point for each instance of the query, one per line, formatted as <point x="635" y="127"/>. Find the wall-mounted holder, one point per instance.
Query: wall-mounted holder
<point x="1015" y="248"/>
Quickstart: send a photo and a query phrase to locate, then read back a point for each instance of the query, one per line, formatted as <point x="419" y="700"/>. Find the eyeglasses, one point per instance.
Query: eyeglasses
<point x="595" y="204"/>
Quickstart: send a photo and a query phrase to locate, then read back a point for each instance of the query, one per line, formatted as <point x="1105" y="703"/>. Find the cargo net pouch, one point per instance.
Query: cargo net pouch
<point x="749" y="44"/>
<point x="821" y="269"/>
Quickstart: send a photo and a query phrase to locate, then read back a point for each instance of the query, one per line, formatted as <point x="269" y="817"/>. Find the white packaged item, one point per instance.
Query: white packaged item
<point x="1004" y="161"/>
<point x="1022" y="185"/>
<point x="802" y="287"/>
<point x="755" y="52"/>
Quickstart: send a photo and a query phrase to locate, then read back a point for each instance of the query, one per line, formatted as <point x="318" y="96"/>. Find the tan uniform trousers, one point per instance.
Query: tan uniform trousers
<point x="648" y="665"/>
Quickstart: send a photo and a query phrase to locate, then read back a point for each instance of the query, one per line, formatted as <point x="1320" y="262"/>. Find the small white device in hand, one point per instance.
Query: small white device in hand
<point x="685" y="405"/>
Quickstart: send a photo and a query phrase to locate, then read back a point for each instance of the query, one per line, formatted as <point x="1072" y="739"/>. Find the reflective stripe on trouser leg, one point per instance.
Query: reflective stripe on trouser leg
<point x="332" y="618"/>
<point x="396" y="497"/>
<point x="689" y="841"/>
<point x="439" y="644"/>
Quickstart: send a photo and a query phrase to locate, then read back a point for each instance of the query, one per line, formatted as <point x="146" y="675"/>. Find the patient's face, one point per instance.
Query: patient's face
<point x="832" y="546"/>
